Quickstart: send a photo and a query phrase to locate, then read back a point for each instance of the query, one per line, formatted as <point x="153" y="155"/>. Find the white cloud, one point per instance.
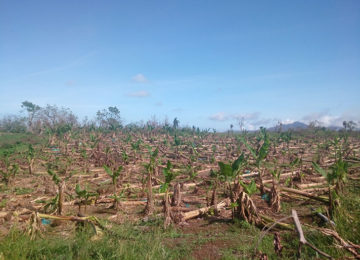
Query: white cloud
<point x="249" y="121"/>
<point x="220" y="116"/>
<point x="140" y="78"/>
<point x="326" y="119"/>
<point x="252" y="121"/>
<point x="287" y="121"/>
<point x="141" y="93"/>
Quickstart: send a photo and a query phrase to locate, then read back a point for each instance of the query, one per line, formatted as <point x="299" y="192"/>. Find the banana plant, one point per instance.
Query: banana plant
<point x="85" y="157"/>
<point x="84" y="196"/>
<point x="275" y="193"/>
<point x="127" y="139"/>
<point x="55" y="178"/>
<point x="165" y="142"/>
<point x="296" y="163"/>
<point x="151" y="169"/>
<point x="286" y="137"/>
<point x="51" y="205"/>
<point x="107" y="152"/>
<point x="8" y="170"/>
<point x="341" y="147"/>
<point x="260" y="154"/>
<point x="136" y="147"/>
<point x="194" y="154"/>
<point x="337" y="175"/>
<point x="250" y="188"/>
<point x="125" y="157"/>
<point x="56" y="204"/>
<point x="213" y="149"/>
<point x="169" y="175"/>
<point x="245" y="207"/>
<point x="30" y="158"/>
<point x="94" y="140"/>
<point x="229" y="172"/>
<point x="216" y="178"/>
<point x="114" y="177"/>
<point x="177" y="143"/>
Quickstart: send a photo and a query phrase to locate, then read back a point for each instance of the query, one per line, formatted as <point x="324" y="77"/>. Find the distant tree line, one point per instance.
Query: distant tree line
<point x="57" y="120"/>
<point x="53" y="119"/>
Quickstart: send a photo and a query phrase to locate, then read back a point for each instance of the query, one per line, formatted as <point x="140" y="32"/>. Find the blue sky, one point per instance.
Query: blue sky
<point x="208" y="63"/>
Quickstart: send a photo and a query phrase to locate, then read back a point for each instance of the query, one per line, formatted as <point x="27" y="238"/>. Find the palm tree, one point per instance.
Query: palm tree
<point x="176" y="123"/>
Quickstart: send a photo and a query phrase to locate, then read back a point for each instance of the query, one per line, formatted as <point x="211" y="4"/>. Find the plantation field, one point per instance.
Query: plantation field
<point x="180" y="194"/>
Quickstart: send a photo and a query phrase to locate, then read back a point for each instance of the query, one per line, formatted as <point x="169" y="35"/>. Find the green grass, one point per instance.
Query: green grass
<point x="18" y="142"/>
<point x="148" y="240"/>
<point x="127" y="243"/>
<point x="4" y="188"/>
<point x="22" y="191"/>
<point x="3" y="204"/>
<point x="347" y="217"/>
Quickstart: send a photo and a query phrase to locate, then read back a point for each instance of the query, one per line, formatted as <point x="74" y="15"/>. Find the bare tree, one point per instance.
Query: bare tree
<point x="12" y="123"/>
<point x="54" y="118"/>
<point x="349" y="125"/>
<point x="109" y="118"/>
<point x="241" y="123"/>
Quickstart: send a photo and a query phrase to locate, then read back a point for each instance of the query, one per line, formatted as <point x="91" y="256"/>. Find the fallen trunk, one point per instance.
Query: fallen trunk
<point x="195" y="213"/>
<point x="124" y="202"/>
<point x="176" y="199"/>
<point x="167" y="211"/>
<point x="305" y="194"/>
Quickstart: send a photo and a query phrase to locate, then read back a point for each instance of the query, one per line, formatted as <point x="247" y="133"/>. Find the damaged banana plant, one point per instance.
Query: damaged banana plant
<point x="335" y="176"/>
<point x="229" y="173"/>
<point x="84" y="196"/>
<point x="114" y="178"/>
<point x="259" y="154"/>
<point x="8" y="170"/>
<point x="56" y="204"/>
<point x="245" y="206"/>
<point x="36" y="227"/>
<point x="151" y="171"/>
<point x="275" y="192"/>
<point x="169" y="177"/>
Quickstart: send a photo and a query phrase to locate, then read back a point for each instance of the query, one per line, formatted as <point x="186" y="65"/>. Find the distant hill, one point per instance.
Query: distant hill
<point x="293" y="126"/>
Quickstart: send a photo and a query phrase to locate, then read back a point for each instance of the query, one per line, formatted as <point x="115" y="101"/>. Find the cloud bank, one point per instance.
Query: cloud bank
<point x="252" y="121"/>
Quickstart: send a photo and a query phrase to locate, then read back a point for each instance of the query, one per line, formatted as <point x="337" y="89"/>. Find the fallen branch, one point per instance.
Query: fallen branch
<point x="277" y="222"/>
<point x="274" y="222"/>
<point x="302" y="239"/>
<point x="346" y="244"/>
